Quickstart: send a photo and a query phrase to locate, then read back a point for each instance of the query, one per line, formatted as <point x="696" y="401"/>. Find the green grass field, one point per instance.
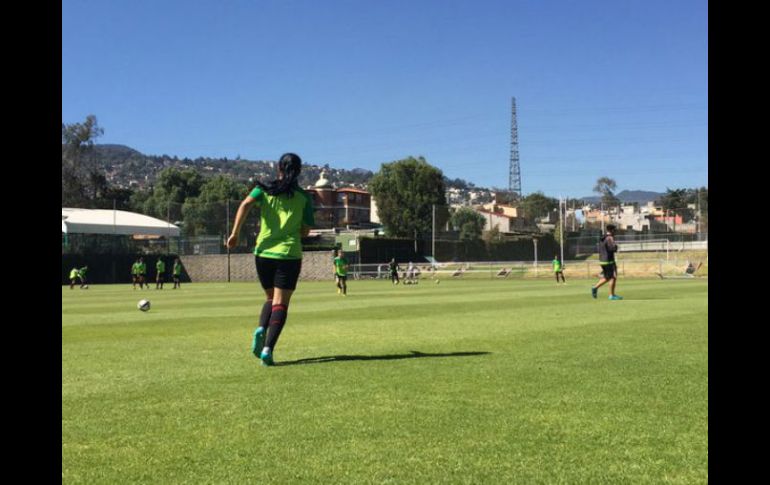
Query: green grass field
<point x="467" y="382"/>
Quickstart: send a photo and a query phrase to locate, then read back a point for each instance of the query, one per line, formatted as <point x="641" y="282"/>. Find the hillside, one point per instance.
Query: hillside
<point x="126" y="167"/>
<point x="629" y="196"/>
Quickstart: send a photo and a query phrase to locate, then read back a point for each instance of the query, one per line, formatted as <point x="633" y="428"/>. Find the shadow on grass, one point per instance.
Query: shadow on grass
<point x="412" y="355"/>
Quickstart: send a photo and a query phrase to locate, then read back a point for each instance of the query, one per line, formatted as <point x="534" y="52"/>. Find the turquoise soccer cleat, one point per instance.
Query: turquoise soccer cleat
<point x="615" y="297"/>
<point x="258" y="341"/>
<point x="266" y="358"/>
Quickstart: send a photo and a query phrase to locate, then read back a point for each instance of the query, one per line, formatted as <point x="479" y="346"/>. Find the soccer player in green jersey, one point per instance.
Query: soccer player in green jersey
<point x="135" y="273"/>
<point x="73" y="277"/>
<point x="143" y="274"/>
<point x="160" y="269"/>
<point x="177" y="273"/>
<point x="341" y="273"/>
<point x="607" y="249"/>
<point x="139" y="270"/>
<point x="557" y="269"/>
<point x="82" y="277"/>
<point x="286" y="215"/>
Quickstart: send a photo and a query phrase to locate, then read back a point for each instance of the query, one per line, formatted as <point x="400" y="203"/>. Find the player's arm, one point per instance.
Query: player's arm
<point x="240" y="217"/>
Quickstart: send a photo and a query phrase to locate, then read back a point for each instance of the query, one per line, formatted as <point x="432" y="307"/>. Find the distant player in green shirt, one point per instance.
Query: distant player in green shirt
<point x="143" y="274"/>
<point x="138" y="270"/>
<point x="135" y="273"/>
<point x="82" y="277"/>
<point x="341" y="273"/>
<point x="73" y="277"/>
<point x="177" y="273"/>
<point x="160" y="269"/>
<point x="286" y="215"/>
<point x="557" y="269"/>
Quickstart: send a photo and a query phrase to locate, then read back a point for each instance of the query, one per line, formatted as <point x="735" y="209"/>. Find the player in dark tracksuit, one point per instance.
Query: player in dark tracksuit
<point x="393" y="267"/>
<point x="607" y="249"/>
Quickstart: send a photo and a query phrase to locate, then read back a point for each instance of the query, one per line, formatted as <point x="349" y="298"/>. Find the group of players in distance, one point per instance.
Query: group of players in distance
<point x="139" y="273"/>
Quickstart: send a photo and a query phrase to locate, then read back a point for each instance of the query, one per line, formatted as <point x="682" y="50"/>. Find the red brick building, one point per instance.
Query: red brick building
<point x="339" y="207"/>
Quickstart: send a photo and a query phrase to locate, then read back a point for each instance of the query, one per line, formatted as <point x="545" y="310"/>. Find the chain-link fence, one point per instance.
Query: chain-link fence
<point x="345" y="220"/>
<point x="655" y="243"/>
<point x="501" y="270"/>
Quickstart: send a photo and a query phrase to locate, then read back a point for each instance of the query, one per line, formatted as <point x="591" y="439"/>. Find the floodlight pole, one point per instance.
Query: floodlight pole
<point x="168" y="227"/>
<point x="561" y="229"/>
<point x="433" y="243"/>
<point x="227" y="235"/>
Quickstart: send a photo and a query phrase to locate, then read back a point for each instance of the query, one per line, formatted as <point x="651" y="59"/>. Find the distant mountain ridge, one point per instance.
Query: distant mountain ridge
<point x="127" y="167"/>
<point x="630" y="196"/>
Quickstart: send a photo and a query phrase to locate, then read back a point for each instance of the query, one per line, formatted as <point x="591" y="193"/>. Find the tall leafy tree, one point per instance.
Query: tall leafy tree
<point x="469" y="222"/>
<point x="82" y="181"/>
<point x="207" y="214"/>
<point x="674" y="200"/>
<point x="170" y="191"/>
<point x="538" y="204"/>
<point x="405" y="191"/>
<point x="606" y="187"/>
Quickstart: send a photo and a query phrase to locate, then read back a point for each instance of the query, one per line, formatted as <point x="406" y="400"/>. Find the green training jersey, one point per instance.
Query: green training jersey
<point x="177" y="269"/>
<point x="340" y="266"/>
<point x="281" y="220"/>
<point x="556" y="265"/>
<point x="73" y="273"/>
<point x="135" y="268"/>
<point x="160" y="266"/>
<point x="82" y="272"/>
<point x="142" y="268"/>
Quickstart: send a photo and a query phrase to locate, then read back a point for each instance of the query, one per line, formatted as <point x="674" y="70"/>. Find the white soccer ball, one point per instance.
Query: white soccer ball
<point x="143" y="305"/>
<point x="438" y="281"/>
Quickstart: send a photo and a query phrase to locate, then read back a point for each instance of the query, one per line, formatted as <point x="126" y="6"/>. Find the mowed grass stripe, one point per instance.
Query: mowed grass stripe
<point x="581" y="391"/>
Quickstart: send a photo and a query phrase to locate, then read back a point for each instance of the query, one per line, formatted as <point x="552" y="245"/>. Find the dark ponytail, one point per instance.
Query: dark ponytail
<point x="290" y="165"/>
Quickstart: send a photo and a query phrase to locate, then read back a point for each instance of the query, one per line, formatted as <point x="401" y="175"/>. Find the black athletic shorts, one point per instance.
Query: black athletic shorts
<point x="342" y="278"/>
<point x="278" y="273"/>
<point x="609" y="270"/>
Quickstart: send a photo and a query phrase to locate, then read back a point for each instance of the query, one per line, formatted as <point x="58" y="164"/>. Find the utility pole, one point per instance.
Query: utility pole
<point x="602" y="215"/>
<point x="168" y="226"/>
<point x="697" y="230"/>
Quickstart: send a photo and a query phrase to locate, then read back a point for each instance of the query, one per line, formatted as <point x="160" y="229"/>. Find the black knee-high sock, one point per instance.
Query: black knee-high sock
<point x="277" y="321"/>
<point x="264" y="317"/>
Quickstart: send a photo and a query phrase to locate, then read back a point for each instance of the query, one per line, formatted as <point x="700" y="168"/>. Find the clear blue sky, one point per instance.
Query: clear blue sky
<point x="603" y="87"/>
